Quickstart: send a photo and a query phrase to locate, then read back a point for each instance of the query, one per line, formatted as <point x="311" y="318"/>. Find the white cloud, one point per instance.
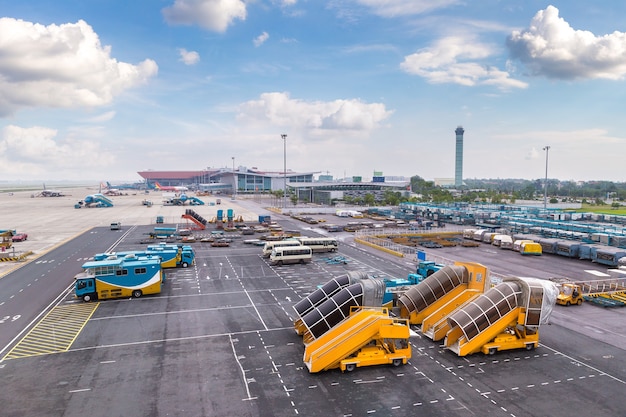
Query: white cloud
<point x="36" y="151"/>
<point x="260" y="40"/>
<point x="551" y="47"/>
<point x="452" y="60"/>
<point x="188" y="57"/>
<point x="278" y="109"/>
<point x="60" y="66"/>
<point x="215" y="15"/>
<point x="104" y="117"/>
<point x="394" y="8"/>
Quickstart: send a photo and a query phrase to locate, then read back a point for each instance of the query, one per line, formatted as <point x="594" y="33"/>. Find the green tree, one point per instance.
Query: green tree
<point x="369" y="199"/>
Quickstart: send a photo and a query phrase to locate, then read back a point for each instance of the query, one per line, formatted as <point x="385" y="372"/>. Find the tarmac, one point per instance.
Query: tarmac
<point x="52" y="221"/>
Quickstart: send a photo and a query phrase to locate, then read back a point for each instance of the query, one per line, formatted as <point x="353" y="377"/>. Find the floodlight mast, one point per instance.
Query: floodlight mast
<point x="545" y="183"/>
<point x="284" y="137"/>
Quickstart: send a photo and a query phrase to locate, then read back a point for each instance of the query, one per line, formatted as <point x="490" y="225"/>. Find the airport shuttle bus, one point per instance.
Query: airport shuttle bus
<point x="290" y="255"/>
<point x="320" y="244"/>
<point x="269" y="246"/>
<point x="172" y="256"/>
<point x="119" y="277"/>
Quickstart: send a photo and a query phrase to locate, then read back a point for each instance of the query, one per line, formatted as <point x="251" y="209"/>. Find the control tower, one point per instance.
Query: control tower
<point x="458" y="166"/>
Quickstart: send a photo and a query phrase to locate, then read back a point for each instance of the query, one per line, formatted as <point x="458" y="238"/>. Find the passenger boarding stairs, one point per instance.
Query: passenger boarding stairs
<point x="198" y="221"/>
<point x="364" y="325"/>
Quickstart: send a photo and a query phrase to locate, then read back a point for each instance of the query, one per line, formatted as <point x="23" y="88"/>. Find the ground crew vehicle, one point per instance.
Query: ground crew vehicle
<point x="269" y="246"/>
<point x="6" y="239"/>
<point x="427" y="268"/>
<point x="120" y="277"/>
<point x="116" y="226"/>
<point x="320" y="244"/>
<point x="283" y="255"/>
<point x="172" y="256"/>
<point x="19" y="237"/>
<point x="569" y="294"/>
<point x="530" y="248"/>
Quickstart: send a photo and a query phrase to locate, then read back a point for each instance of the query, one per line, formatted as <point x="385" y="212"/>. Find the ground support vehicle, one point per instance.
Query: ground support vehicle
<point x="198" y="222"/>
<point x="119" y="277"/>
<point x="320" y="244"/>
<point x="441" y="293"/>
<point x="171" y="255"/>
<point x="116" y="226"/>
<point x="270" y="245"/>
<point x="163" y="233"/>
<point x="283" y="255"/>
<point x="427" y="268"/>
<point x="505" y="317"/>
<point x="395" y="287"/>
<point x="530" y="248"/>
<point x="368" y="336"/>
<point x="569" y="294"/>
<point x="6" y="239"/>
<point x="19" y="237"/>
<point x="608" y="292"/>
<point x="514" y="338"/>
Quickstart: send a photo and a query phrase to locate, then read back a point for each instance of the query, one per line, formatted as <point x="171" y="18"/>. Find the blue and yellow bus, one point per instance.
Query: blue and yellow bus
<point x="172" y="256"/>
<point x="130" y="276"/>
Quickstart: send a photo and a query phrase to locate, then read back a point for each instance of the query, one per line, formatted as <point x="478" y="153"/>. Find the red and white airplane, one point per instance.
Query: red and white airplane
<point x="169" y="188"/>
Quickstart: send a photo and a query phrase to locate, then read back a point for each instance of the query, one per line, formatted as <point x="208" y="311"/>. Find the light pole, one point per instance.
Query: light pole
<point x="545" y="183"/>
<point x="284" y="137"/>
<point x="234" y="179"/>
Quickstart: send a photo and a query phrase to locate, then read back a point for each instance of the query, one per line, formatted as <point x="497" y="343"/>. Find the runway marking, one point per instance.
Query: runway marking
<point x="55" y="332"/>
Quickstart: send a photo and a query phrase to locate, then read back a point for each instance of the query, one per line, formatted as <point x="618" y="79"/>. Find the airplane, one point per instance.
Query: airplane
<point x="95" y="200"/>
<point x="108" y="190"/>
<point x="134" y="186"/>
<point x="170" y="188"/>
<point x="50" y="193"/>
<point x="178" y="200"/>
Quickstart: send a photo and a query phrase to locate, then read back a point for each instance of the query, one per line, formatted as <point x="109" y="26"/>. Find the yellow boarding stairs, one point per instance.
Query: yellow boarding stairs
<point x="433" y="299"/>
<point x="368" y="336"/>
<point x="505" y="317"/>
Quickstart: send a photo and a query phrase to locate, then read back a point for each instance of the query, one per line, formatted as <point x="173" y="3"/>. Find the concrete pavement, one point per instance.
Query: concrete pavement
<point x="50" y="221"/>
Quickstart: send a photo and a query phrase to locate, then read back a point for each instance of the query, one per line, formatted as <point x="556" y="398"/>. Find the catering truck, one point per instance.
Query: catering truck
<point x="129" y="276"/>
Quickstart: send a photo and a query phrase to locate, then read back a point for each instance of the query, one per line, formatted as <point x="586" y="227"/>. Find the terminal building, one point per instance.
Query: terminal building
<point x="225" y="180"/>
<point x="252" y="180"/>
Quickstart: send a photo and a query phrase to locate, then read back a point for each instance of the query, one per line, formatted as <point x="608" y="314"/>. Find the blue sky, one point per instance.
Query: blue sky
<point x="101" y="89"/>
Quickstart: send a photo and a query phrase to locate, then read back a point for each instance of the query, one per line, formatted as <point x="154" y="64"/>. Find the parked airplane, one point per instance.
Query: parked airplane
<point x="108" y="190"/>
<point x="133" y="186"/>
<point x="50" y="193"/>
<point x="170" y="188"/>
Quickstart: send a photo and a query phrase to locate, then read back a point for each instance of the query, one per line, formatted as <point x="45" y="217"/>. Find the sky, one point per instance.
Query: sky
<point x="101" y="89"/>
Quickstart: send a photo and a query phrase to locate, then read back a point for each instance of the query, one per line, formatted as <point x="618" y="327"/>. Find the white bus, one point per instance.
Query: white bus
<point x="320" y="244"/>
<point x="290" y="255"/>
<point x="269" y="246"/>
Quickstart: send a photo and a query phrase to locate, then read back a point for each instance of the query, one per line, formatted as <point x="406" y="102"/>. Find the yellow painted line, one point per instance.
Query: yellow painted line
<point x="55" y="332"/>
